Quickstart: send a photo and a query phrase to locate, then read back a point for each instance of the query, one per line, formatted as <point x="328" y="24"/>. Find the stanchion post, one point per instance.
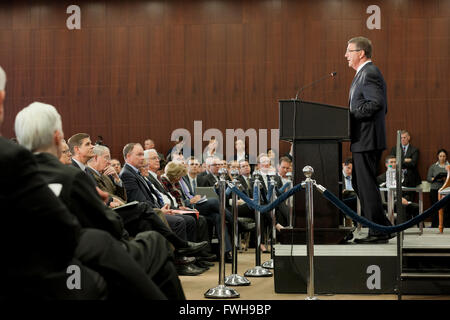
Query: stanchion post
<point x="398" y="179"/>
<point x="269" y="264"/>
<point x="309" y="183"/>
<point x="235" y="279"/>
<point x="222" y="291"/>
<point x="258" y="271"/>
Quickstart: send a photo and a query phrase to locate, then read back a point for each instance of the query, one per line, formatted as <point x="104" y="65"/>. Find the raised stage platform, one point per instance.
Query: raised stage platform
<point x="368" y="269"/>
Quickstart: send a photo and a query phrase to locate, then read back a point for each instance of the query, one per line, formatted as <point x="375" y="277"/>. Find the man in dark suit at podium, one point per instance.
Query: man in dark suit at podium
<point x="367" y="107"/>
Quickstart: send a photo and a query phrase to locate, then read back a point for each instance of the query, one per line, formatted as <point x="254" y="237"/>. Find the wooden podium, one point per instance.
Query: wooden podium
<point x="317" y="131"/>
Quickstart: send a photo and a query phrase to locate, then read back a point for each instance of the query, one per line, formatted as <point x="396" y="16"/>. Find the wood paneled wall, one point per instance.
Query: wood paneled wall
<point x="140" y="69"/>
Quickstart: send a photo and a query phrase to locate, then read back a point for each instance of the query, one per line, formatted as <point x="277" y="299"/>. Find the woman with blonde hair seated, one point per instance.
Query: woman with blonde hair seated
<point x="208" y="209"/>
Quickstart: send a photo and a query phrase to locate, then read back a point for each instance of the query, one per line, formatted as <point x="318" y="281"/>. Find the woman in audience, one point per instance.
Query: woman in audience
<point x="209" y="209"/>
<point x="436" y="176"/>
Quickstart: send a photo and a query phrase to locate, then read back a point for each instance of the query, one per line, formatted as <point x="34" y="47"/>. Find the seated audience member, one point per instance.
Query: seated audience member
<point x="66" y="156"/>
<point x="210" y="208"/>
<point x="284" y="166"/>
<point x="193" y="169"/>
<point x="437" y="174"/>
<point x="116" y="165"/>
<point x="35" y="263"/>
<point x="153" y="168"/>
<point x="150" y="144"/>
<point x="179" y="191"/>
<point x="232" y="165"/>
<point x="81" y="148"/>
<point x="141" y="217"/>
<point x="245" y="177"/>
<point x="39" y="129"/>
<point x="410" y="208"/>
<point x="347" y="168"/>
<point x="105" y="175"/>
<point x="211" y="176"/>
<point x="282" y="211"/>
<point x="139" y="190"/>
<point x="348" y="193"/>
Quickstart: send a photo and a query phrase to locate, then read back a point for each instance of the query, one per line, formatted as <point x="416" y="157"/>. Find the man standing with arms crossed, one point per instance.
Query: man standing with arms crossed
<point x="367" y="107"/>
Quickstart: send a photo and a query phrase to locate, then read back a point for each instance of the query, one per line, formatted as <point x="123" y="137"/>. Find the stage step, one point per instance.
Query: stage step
<point x="426" y="263"/>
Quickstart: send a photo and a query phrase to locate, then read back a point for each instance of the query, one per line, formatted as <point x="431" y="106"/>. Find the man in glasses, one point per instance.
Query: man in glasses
<point x="367" y="107"/>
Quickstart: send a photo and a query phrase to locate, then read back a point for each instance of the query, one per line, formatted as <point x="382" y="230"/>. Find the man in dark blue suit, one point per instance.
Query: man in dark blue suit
<point x="368" y="107"/>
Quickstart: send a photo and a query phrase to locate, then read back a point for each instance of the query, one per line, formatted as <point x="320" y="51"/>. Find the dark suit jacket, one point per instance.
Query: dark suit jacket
<point x="206" y="180"/>
<point x="188" y="183"/>
<point x="39" y="235"/>
<point x="245" y="187"/>
<point x="368" y="106"/>
<point x="137" y="189"/>
<point x="264" y="190"/>
<point x="79" y="194"/>
<point x="107" y="185"/>
<point x="81" y="197"/>
<point x="412" y="176"/>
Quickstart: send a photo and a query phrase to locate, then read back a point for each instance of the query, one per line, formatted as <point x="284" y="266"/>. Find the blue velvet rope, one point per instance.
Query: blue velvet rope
<point x="254" y="205"/>
<point x="283" y="188"/>
<point x="255" y="194"/>
<point x="385" y="229"/>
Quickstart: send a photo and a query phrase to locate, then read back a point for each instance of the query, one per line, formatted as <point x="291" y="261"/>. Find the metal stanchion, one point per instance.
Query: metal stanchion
<point x="290" y="201"/>
<point x="308" y="172"/>
<point x="269" y="264"/>
<point x="258" y="271"/>
<point x="234" y="279"/>
<point x="222" y="291"/>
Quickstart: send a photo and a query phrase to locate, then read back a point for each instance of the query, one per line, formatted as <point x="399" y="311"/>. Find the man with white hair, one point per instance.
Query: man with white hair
<point x="104" y="174"/>
<point x="150" y="144"/>
<point x="39" y="128"/>
<point x="51" y="239"/>
<point x="213" y="164"/>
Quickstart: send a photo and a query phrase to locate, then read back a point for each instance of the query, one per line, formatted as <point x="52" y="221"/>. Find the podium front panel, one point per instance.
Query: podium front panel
<point x="313" y="121"/>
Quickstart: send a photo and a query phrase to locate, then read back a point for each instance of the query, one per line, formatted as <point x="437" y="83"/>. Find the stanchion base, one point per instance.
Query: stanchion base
<point x="268" y="264"/>
<point x="312" y="298"/>
<point x="221" y="292"/>
<point x="258" y="271"/>
<point x="236" y="280"/>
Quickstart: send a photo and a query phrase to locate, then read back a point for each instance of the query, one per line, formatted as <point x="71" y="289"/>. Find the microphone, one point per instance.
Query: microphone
<point x="332" y="74"/>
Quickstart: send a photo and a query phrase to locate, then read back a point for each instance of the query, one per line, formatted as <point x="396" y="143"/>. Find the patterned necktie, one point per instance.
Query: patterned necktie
<point x="156" y="192"/>
<point x="159" y="201"/>
<point x="194" y="185"/>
